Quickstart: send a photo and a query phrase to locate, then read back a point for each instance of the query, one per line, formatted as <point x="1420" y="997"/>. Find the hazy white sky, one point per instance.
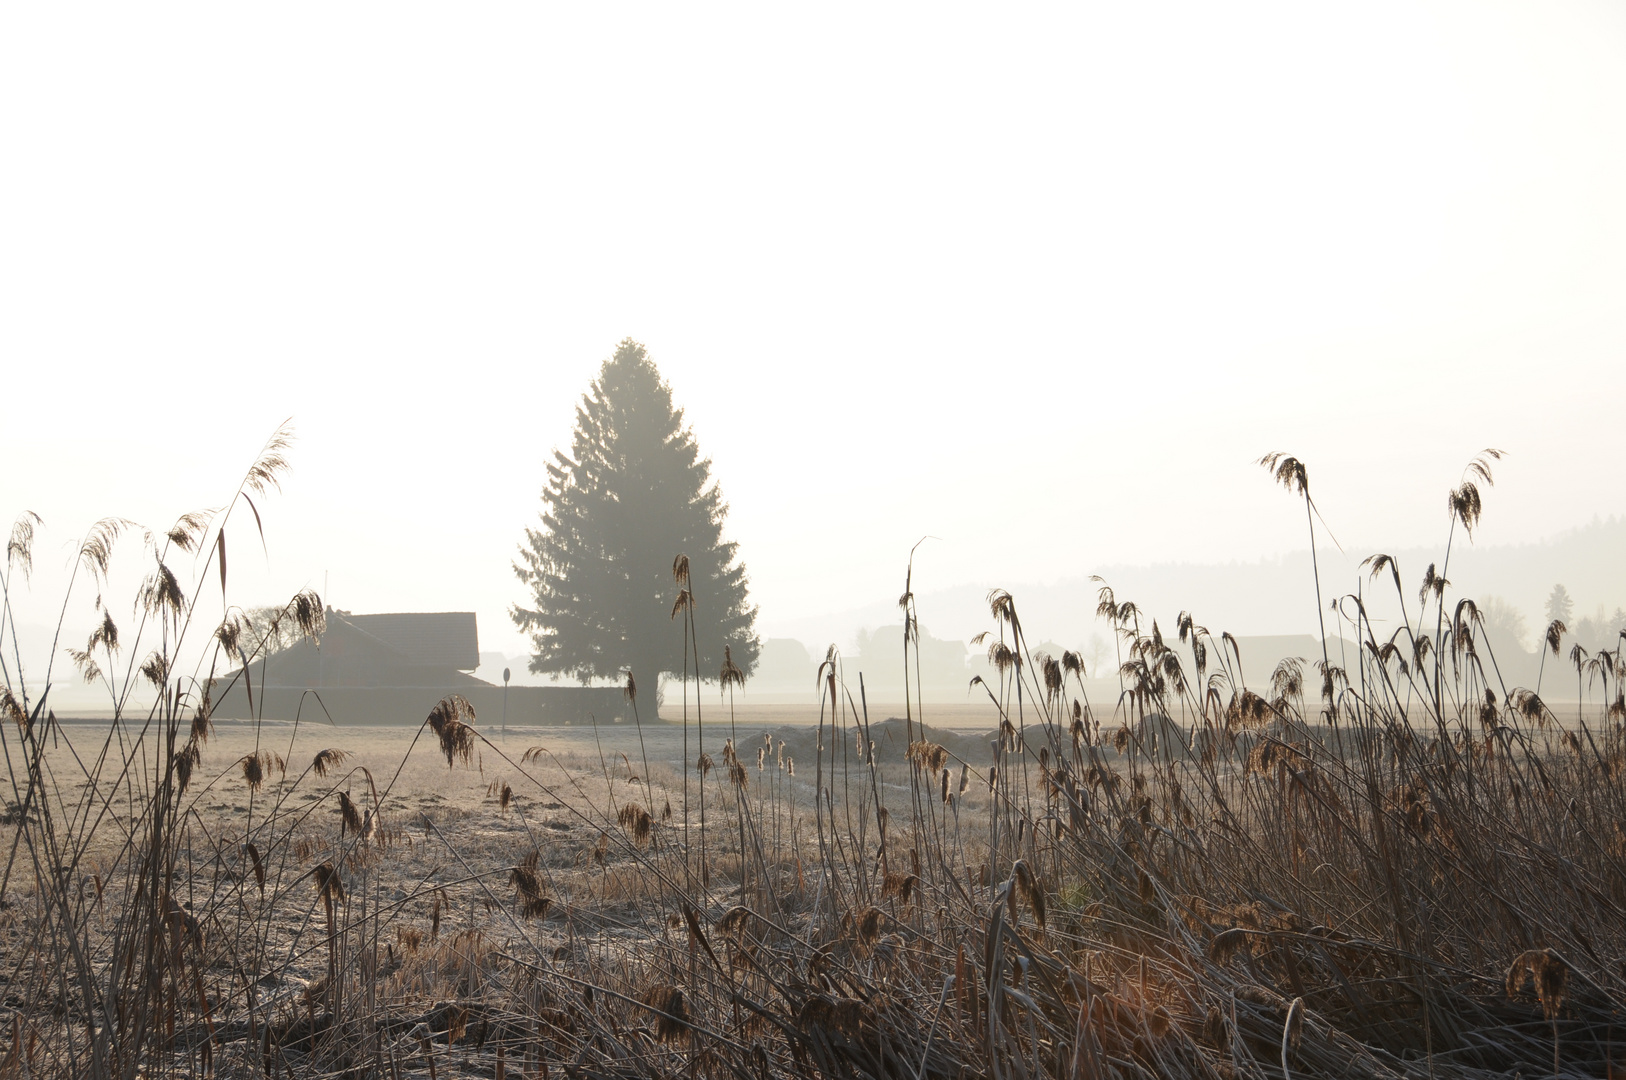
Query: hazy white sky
<point x="1041" y="282"/>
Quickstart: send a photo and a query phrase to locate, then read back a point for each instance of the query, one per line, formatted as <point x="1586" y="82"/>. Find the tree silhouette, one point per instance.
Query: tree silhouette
<point x="1559" y="605"/>
<point x="632" y="494"/>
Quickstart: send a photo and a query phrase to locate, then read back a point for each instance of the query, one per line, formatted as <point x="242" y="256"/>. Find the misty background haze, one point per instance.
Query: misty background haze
<point x="1042" y="287"/>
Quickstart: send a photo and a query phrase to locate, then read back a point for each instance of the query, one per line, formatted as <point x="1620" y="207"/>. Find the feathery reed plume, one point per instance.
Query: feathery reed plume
<point x="734" y="919"/>
<point x="88" y="669"/>
<point x="1549" y="973"/>
<point x="449" y="720"/>
<point x="533" y="904"/>
<point x="185" y="761"/>
<point x="252" y="850"/>
<point x="155" y="669"/>
<point x="1027" y="884"/>
<point x="900" y="886"/>
<point x="636" y="820"/>
<point x="731" y="675"/>
<point x="671" y="1012"/>
<point x="13" y="709"/>
<point x="96" y="552"/>
<point x="188" y="528"/>
<point x="328" y="884"/>
<point x="162" y="592"/>
<point x="349" y="816"/>
<point x="309" y="616"/>
<point x="328" y="759"/>
<point x="267" y="470"/>
<point x="255" y="766"/>
<point x="1287" y="471"/>
<point x="867" y="930"/>
<point x="201" y="717"/>
<point x="1464" y="503"/>
<point x="1292" y="475"/>
<point x="928" y="755"/>
<point x="20" y="548"/>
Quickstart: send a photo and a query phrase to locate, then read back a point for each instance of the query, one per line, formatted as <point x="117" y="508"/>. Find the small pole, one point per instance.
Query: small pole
<point x="505" y="676"/>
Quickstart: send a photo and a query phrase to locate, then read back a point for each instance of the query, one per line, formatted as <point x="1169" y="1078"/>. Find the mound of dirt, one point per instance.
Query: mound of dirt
<point x="890" y="739"/>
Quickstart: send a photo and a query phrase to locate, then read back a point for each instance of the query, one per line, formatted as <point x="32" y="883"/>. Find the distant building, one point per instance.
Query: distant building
<point x="393" y="668"/>
<point x="401" y="649"/>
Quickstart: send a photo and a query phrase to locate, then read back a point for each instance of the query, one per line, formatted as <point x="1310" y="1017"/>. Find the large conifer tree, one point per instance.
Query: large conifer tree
<point x="632" y="495"/>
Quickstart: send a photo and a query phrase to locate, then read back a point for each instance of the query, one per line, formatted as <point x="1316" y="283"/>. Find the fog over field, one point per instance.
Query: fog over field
<point x="1039" y="286"/>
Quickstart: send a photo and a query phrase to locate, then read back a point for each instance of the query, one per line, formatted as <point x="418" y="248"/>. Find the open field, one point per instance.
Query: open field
<point x="1138" y="897"/>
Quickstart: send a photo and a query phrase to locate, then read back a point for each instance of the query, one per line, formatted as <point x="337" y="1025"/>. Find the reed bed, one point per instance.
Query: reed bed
<point x="1394" y="866"/>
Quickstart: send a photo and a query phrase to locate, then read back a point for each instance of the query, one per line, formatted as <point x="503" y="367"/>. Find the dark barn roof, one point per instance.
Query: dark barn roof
<point x="435" y="638"/>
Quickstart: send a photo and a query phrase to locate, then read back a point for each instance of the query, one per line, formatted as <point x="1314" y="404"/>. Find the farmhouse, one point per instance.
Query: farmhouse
<point x="392" y="668"/>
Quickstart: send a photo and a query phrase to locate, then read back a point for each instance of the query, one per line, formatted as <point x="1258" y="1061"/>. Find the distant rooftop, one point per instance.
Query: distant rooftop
<point x="438" y="638"/>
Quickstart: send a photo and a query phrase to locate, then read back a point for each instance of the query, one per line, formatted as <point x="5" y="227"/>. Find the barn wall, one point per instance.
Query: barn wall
<point x="409" y="705"/>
